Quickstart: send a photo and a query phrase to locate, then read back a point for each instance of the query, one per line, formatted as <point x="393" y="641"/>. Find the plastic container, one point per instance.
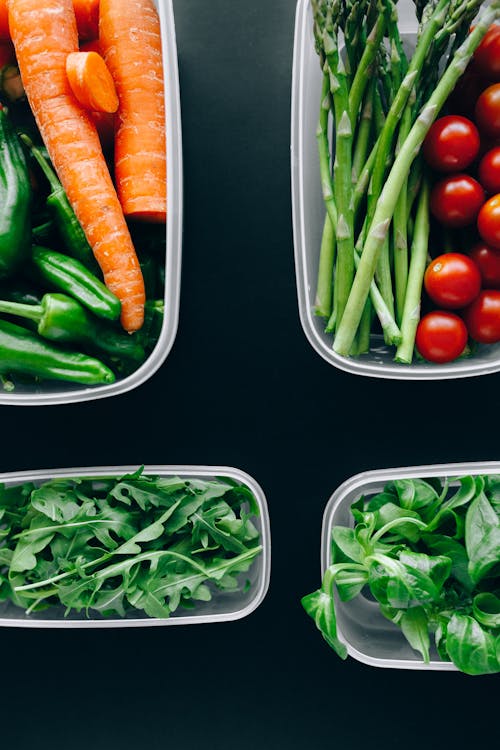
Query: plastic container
<point x="308" y="218"/>
<point x="223" y="607"/>
<point x="53" y="392"/>
<point x="368" y="636"/>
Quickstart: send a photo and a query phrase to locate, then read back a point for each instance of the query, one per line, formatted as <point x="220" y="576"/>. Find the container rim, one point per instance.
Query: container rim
<point x="356" y="483"/>
<point x="303" y="282"/>
<point x="173" y="127"/>
<point x="183" y="470"/>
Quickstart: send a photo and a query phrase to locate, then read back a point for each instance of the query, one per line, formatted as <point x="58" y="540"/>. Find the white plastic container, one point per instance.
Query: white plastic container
<point x="367" y="634"/>
<point x="54" y="392"/>
<point x="308" y="218"/>
<point x="223" y="607"/>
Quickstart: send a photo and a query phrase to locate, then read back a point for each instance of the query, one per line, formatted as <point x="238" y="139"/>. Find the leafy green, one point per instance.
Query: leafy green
<point x="428" y="551"/>
<point x="135" y="543"/>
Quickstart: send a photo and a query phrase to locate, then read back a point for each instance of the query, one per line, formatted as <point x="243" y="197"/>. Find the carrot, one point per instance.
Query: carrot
<point x="4" y="21"/>
<point x="87" y="18"/>
<point x="44" y="33"/>
<point x="129" y="34"/>
<point x="91" y="81"/>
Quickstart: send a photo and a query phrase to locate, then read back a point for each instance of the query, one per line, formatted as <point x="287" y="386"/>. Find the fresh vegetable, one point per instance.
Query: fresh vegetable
<point x="487" y="111"/>
<point x="43" y="35"/>
<point x="451" y="144"/>
<point x="489" y="171"/>
<point x="380" y="104"/>
<point x="482" y="317"/>
<point x="87" y="18"/>
<point x="487" y="55"/>
<point x="63" y="215"/>
<point x="428" y="551"/>
<point x="137" y="544"/>
<point x="452" y="280"/>
<point x="91" y="81"/>
<point x="456" y="200"/>
<point x="61" y="318"/>
<point x="441" y="336"/>
<point x="70" y="276"/>
<point x="23" y="352"/>
<point x="131" y="46"/>
<point x="488" y="221"/>
<point x="15" y="200"/>
<point x="487" y="259"/>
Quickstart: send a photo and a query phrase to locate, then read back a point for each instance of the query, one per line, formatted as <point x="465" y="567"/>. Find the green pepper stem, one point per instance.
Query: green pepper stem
<point x="32" y="312"/>
<point x="42" y="163"/>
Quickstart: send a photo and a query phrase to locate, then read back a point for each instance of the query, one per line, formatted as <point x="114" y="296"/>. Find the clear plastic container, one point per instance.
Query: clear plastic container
<point x="308" y="218"/>
<point x="53" y="392"/>
<point x="368" y="636"/>
<point x="223" y="607"/>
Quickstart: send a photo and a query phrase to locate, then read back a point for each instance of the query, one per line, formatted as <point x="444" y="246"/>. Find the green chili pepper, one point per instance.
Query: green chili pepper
<point x="68" y="226"/>
<point x="23" y="352"/>
<point x="15" y="200"/>
<point x="70" y="276"/>
<point x="42" y="234"/>
<point x="153" y="321"/>
<point x="61" y="318"/>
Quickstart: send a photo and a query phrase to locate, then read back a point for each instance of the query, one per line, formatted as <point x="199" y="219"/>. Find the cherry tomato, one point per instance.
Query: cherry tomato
<point x="482" y="317"/>
<point x="453" y="280"/>
<point x="455" y="201"/>
<point x="441" y="336"/>
<point x="489" y="170"/>
<point x="487" y="111"/>
<point x="468" y="88"/>
<point x="487" y="259"/>
<point x="488" y="222"/>
<point x="487" y="55"/>
<point x="451" y="144"/>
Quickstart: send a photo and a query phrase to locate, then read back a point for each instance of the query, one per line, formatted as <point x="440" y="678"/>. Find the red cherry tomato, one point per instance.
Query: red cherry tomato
<point x="468" y="88"/>
<point x="487" y="111"/>
<point x="452" y="281"/>
<point x="451" y="144"/>
<point x="487" y="259"/>
<point x="455" y="201"/>
<point x="482" y="317"/>
<point x="487" y="55"/>
<point x="489" y="170"/>
<point x="488" y="222"/>
<point x="441" y="336"/>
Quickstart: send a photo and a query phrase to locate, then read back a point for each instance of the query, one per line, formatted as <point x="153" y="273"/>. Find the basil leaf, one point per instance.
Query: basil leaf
<point x="344" y="539"/>
<point x="482" y="538"/>
<point x="471" y="649"/>
<point x="415" y="626"/>
<point x="320" y="606"/>
<point x="486" y="609"/>
<point x="455" y="551"/>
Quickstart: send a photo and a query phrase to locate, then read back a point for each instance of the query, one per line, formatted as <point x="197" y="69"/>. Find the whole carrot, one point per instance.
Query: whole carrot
<point x="129" y="35"/>
<point x="44" y="34"/>
<point x="86" y="12"/>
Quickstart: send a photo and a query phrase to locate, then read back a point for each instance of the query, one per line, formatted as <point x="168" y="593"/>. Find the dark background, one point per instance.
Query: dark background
<point x="243" y="387"/>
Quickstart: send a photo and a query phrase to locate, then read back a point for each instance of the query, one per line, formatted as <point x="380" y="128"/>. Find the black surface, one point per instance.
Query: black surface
<point x="243" y="387"/>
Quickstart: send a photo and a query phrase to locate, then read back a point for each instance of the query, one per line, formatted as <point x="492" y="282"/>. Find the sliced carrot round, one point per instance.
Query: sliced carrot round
<point x="91" y="82"/>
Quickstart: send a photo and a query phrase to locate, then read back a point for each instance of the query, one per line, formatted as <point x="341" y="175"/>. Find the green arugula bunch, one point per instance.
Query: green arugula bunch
<point x="118" y="545"/>
<point x="429" y="553"/>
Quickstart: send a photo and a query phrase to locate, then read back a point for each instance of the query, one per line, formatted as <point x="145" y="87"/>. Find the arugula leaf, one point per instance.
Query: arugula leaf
<point x="445" y="545"/>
